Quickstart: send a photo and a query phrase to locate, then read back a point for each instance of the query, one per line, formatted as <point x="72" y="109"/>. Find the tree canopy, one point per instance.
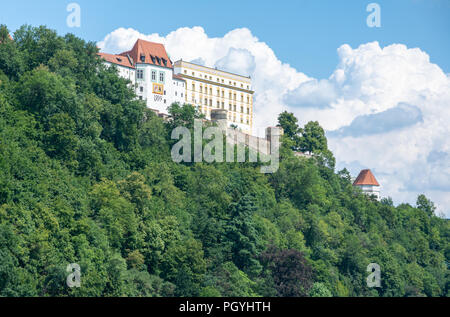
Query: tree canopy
<point x="86" y="177"/>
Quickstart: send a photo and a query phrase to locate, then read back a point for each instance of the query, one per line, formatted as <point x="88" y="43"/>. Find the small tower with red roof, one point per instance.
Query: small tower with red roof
<point x="368" y="183"/>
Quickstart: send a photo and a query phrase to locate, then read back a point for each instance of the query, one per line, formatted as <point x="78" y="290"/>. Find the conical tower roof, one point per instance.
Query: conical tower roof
<point x="366" y="177"/>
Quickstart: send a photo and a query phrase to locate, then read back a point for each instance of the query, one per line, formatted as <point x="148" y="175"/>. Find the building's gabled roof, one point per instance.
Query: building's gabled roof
<point x="116" y="59"/>
<point x="144" y="52"/>
<point x="366" y="177"/>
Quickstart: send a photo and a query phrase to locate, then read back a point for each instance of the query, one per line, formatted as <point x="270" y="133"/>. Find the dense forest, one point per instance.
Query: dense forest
<point x="86" y="177"/>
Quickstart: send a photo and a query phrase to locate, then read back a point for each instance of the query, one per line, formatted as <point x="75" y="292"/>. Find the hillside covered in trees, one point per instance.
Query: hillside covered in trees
<point x="86" y="177"/>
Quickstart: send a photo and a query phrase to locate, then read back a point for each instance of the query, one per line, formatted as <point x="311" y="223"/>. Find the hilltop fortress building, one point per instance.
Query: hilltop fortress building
<point x="160" y="83"/>
<point x="210" y="88"/>
<point x="150" y="71"/>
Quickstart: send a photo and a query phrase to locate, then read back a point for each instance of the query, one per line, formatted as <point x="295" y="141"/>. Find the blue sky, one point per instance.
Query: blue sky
<point x="303" y="33"/>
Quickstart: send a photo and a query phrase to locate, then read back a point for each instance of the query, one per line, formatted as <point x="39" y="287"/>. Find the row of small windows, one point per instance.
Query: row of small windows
<point x="231" y="117"/>
<point x="140" y="75"/>
<point x="221" y="105"/>
<point x="218" y="80"/>
<point x="220" y="93"/>
<point x="155" y="59"/>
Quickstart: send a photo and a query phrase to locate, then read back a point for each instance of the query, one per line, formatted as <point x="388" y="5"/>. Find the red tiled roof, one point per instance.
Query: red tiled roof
<point x="145" y="52"/>
<point x="10" y="37"/>
<point x="116" y="59"/>
<point x="178" y="77"/>
<point x="366" y="178"/>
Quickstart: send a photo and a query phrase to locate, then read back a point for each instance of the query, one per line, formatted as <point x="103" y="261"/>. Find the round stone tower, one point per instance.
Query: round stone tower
<point x="219" y="116"/>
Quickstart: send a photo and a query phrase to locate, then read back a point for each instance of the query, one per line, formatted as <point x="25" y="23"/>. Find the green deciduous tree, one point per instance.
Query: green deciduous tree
<point x="290" y="272"/>
<point x="86" y="177"/>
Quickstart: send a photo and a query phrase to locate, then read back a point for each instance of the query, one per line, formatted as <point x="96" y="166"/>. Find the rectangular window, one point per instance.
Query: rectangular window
<point x="140" y="74"/>
<point x="161" y="77"/>
<point x="154" y="75"/>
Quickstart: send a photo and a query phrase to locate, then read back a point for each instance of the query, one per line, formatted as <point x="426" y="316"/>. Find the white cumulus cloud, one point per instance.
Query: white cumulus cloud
<point x="384" y="108"/>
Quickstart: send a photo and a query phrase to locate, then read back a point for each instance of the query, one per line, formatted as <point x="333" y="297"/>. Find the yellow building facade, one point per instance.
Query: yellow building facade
<point x="209" y="88"/>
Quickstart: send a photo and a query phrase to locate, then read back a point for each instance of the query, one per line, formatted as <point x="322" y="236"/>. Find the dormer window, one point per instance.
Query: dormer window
<point x="153" y="59"/>
<point x="164" y="61"/>
<point x="142" y="58"/>
<point x="158" y="60"/>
